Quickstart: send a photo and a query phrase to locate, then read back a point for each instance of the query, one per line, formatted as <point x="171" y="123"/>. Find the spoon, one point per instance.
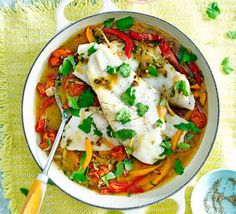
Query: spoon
<point x="37" y="191"/>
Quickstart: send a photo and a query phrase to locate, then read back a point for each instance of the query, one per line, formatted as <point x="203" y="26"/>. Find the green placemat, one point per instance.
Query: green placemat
<point x="24" y="31"/>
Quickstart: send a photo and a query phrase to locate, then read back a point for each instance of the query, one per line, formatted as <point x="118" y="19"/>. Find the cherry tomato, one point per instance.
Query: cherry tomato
<point x="198" y="118"/>
<point x="118" y="152"/>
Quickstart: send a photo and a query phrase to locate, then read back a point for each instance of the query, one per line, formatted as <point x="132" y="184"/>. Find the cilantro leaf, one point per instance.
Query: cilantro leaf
<point x="96" y="131"/>
<point x="108" y="177"/>
<point x="226" y="66"/>
<point x="129" y="150"/>
<point x="79" y="175"/>
<point x="119" y="169"/>
<point x="142" y="109"/>
<point x="123" y="116"/>
<point x="128" y="164"/>
<point x="159" y="123"/>
<point x="124" y="70"/>
<point x="111" y="70"/>
<point x="125" y="23"/>
<point x="213" y="10"/>
<point x="152" y="70"/>
<point x="73" y="102"/>
<point x="92" y="50"/>
<point x="189" y="136"/>
<point x="185" y="56"/>
<point x="231" y="34"/>
<point x="82" y="159"/>
<point x="110" y="132"/>
<point x="108" y="23"/>
<point x="183" y="146"/>
<point x="124" y="134"/>
<point x="178" y="167"/>
<point x="74" y="112"/>
<point x="180" y="86"/>
<point x="86" y="125"/>
<point x="67" y="65"/>
<point x="24" y="191"/>
<point x="128" y="97"/>
<point x="187" y="127"/>
<point x="167" y="146"/>
<point x="86" y="99"/>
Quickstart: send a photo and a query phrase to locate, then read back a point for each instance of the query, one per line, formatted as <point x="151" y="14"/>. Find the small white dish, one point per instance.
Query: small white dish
<point x="215" y="193"/>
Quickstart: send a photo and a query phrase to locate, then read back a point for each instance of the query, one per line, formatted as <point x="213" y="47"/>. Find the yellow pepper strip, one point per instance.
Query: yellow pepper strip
<point x="89" y="153"/>
<point x="161" y="112"/>
<point x="89" y="34"/>
<point x="140" y="172"/>
<point x="175" y="139"/>
<point x="202" y="98"/>
<point x="170" y="110"/>
<point x="195" y="86"/>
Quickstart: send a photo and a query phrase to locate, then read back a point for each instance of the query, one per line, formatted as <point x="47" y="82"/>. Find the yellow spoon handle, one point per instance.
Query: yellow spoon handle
<point x="34" y="198"/>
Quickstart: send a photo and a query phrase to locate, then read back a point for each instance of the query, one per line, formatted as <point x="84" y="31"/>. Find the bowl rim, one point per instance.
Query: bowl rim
<point x="212" y="77"/>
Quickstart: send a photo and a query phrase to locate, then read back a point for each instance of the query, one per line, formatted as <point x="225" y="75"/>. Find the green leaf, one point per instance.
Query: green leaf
<point x="124" y="134"/>
<point x="74" y="112"/>
<point x="189" y="136"/>
<point x="231" y="34"/>
<point x="24" y="191"/>
<point x="178" y="167"/>
<point x="213" y="10"/>
<point x="73" y="102"/>
<point x="187" y="127"/>
<point x="108" y="177"/>
<point x="96" y="131"/>
<point x="111" y="70"/>
<point x="92" y="50"/>
<point x="180" y="86"/>
<point x="142" y="109"/>
<point x="128" y="164"/>
<point x="110" y="132"/>
<point x="185" y="56"/>
<point x="167" y="146"/>
<point x="226" y="65"/>
<point x="125" y="23"/>
<point x="79" y="176"/>
<point x="124" y="70"/>
<point x="183" y="146"/>
<point x="67" y="65"/>
<point x="159" y="123"/>
<point x="128" y="97"/>
<point x="86" y="125"/>
<point x="152" y="70"/>
<point x="82" y="159"/>
<point x="86" y="99"/>
<point x="129" y="150"/>
<point x="119" y="169"/>
<point x="108" y="23"/>
<point x="123" y="116"/>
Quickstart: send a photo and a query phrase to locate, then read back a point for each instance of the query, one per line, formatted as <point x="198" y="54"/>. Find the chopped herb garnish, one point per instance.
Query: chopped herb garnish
<point x="74" y="112"/>
<point x="96" y="131"/>
<point x="123" y="116"/>
<point x="79" y="175"/>
<point x="73" y="102"/>
<point x="187" y="127"/>
<point x="119" y="169"/>
<point x="128" y="164"/>
<point x="167" y="146"/>
<point x="110" y="132"/>
<point x="129" y="150"/>
<point x="92" y="50"/>
<point x="231" y="34"/>
<point x="128" y="97"/>
<point x="163" y="102"/>
<point x="82" y="159"/>
<point x="124" y="70"/>
<point x="125" y="23"/>
<point x="124" y="134"/>
<point x="159" y="123"/>
<point x="48" y="142"/>
<point x="142" y="109"/>
<point x="111" y="70"/>
<point x="185" y="56"/>
<point x="213" y="10"/>
<point x="108" y="177"/>
<point x="67" y="65"/>
<point x="226" y="66"/>
<point x="183" y="146"/>
<point x="152" y="70"/>
<point x="108" y="23"/>
<point x="86" y="99"/>
<point x="180" y="86"/>
<point x="189" y="136"/>
<point x="86" y="125"/>
<point x="178" y="167"/>
<point x="24" y="191"/>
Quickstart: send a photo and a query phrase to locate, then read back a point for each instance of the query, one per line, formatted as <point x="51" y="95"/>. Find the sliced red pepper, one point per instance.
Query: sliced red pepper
<point x="169" y="54"/>
<point x="136" y="190"/>
<point x="199" y="118"/>
<point x="128" y="41"/>
<point x="194" y="68"/>
<point x="40" y="125"/>
<point x="41" y="89"/>
<point x="73" y="86"/>
<point x="144" y="36"/>
<point x="96" y="102"/>
<point x="58" y="55"/>
<point x="118" y="152"/>
<point x="52" y="76"/>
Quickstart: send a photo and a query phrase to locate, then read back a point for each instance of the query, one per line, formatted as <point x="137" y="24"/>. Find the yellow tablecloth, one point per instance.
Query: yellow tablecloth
<point x="25" y="30"/>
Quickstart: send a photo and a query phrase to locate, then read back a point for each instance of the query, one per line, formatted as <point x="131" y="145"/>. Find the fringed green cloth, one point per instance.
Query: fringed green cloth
<point x="24" y="31"/>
